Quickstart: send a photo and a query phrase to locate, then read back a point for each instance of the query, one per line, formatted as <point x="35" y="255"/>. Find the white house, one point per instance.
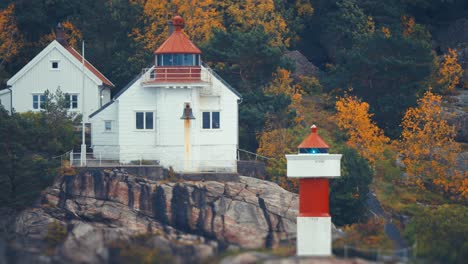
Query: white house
<point x="57" y="66"/>
<point x="177" y="112"/>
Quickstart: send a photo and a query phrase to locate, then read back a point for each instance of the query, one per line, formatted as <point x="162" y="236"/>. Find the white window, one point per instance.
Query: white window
<point x="71" y="101"/>
<point x="144" y="120"/>
<point x="39" y="101"/>
<point x="54" y="65"/>
<point x="107" y="125"/>
<point x="211" y="120"/>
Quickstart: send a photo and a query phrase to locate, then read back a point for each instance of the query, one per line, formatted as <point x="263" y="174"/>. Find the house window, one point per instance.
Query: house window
<point x="211" y="120"/>
<point x="39" y="101"/>
<point x="144" y="120"/>
<point x="108" y="125"/>
<point x="71" y="101"/>
<point x="54" y="65"/>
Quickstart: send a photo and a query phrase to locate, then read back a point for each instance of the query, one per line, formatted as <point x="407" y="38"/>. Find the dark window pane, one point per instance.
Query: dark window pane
<point x="188" y="60"/>
<point x="179" y="59"/>
<point x="197" y="59"/>
<point x="159" y="59"/>
<point x="67" y="101"/>
<point x="74" y="101"/>
<point x="139" y="120"/>
<point x="206" y="120"/>
<point x="149" y="120"/>
<point x="42" y="99"/>
<point x="35" y="101"/>
<point x="54" y="65"/>
<point x="167" y="59"/>
<point x="215" y="120"/>
<point x="108" y="125"/>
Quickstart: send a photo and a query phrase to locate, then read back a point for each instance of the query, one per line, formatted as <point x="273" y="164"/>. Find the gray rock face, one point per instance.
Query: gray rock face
<point x="192" y="220"/>
<point x="303" y="66"/>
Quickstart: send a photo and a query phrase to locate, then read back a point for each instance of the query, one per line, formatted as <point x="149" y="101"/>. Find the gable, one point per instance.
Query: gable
<point x="55" y="46"/>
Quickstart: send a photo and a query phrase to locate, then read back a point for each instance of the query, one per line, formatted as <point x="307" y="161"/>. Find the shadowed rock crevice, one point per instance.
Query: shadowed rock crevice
<point x="159" y="205"/>
<point x="269" y="237"/>
<point x="180" y="208"/>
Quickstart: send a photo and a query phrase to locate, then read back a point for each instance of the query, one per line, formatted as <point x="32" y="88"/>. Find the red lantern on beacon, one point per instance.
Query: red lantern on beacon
<point x="313" y="166"/>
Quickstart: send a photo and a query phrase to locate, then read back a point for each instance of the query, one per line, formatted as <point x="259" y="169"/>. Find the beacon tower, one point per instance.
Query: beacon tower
<point x="313" y="165"/>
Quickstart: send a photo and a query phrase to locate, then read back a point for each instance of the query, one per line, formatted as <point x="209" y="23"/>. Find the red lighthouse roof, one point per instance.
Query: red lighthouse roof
<point x="313" y="140"/>
<point x="178" y="42"/>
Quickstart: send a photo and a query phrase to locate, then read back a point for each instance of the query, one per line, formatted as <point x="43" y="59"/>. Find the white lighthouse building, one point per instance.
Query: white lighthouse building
<point x="177" y="112"/>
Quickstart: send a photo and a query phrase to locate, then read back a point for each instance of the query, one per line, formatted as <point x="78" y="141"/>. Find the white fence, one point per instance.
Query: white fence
<point x="138" y="159"/>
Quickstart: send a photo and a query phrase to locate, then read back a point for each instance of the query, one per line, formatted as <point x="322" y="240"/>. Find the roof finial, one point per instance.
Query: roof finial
<point x="60" y="35"/>
<point x="313" y="129"/>
<point x="178" y="23"/>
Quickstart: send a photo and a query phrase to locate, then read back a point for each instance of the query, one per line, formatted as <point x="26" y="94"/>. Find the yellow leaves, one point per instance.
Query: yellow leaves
<point x="72" y="34"/>
<point x="274" y="144"/>
<point x="370" y="24"/>
<point x="386" y="31"/>
<point x="282" y="85"/>
<point x="11" y="39"/>
<point x="304" y="8"/>
<point x="427" y="145"/>
<point x="449" y="72"/>
<point x="249" y="14"/>
<point x="366" y="235"/>
<point x="364" y="135"/>
<point x="201" y="17"/>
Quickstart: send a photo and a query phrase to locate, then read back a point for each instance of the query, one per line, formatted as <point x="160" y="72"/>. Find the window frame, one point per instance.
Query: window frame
<point x="111" y="126"/>
<point x="69" y="103"/>
<point x="52" y="65"/>
<point x="40" y="103"/>
<point x="211" y="120"/>
<point x="144" y="120"/>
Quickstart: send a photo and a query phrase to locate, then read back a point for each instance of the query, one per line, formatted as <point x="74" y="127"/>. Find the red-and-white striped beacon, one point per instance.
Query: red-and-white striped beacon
<point x="313" y="165"/>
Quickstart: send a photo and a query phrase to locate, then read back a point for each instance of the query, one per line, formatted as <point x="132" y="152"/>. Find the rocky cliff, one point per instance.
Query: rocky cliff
<point x="81" y="218"/>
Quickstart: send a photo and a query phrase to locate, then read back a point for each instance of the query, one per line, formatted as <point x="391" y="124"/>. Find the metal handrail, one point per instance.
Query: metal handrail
<point x="168" y="73"/>
<point x="252" y="153"/>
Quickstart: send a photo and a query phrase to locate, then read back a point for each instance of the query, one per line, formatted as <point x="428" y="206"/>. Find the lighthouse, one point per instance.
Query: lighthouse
<point x="313" y="165"/>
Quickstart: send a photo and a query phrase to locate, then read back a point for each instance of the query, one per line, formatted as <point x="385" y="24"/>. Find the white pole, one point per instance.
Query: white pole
<point x="83" y="127"/>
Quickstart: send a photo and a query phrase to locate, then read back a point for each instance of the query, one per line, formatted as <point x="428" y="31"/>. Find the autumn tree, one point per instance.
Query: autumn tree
<point x="11" y="39"/>
<point x="249" y="14"/>
<point x="72" y="34"/>
<point x="364" y="135"/>
<point x="448" y="73"/>
<point x="274" y="144"/>
<point x="282" y="84"/>
<point x="428" y="148"/>
<point x="201" y="17"/>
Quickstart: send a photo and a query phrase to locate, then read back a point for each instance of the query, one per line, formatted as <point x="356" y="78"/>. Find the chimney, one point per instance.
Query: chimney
<point x="170" y="26"/>
<point x="60" y="35"/>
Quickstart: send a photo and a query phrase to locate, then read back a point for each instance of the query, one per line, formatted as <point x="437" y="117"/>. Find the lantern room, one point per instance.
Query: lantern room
<point x="177" y="59"/>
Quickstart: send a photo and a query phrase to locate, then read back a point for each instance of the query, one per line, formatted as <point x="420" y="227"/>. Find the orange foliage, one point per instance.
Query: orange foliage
<point x="366" y="235"/>
<point x="11" y="39"/>
<point x="282" y="85"/>
<point x="364" y="135"/>
<point x="200" y="17"/>
<point x="370" y="25"/>
<point x="408" y="25"/>
<point x="386" y="31"/>
<point x="449" y="72"/>
<point x="428" y="148"/>
<point x="274" y="144"/>
<point x="72" y="35"/>
<point x="248" y="14"/>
